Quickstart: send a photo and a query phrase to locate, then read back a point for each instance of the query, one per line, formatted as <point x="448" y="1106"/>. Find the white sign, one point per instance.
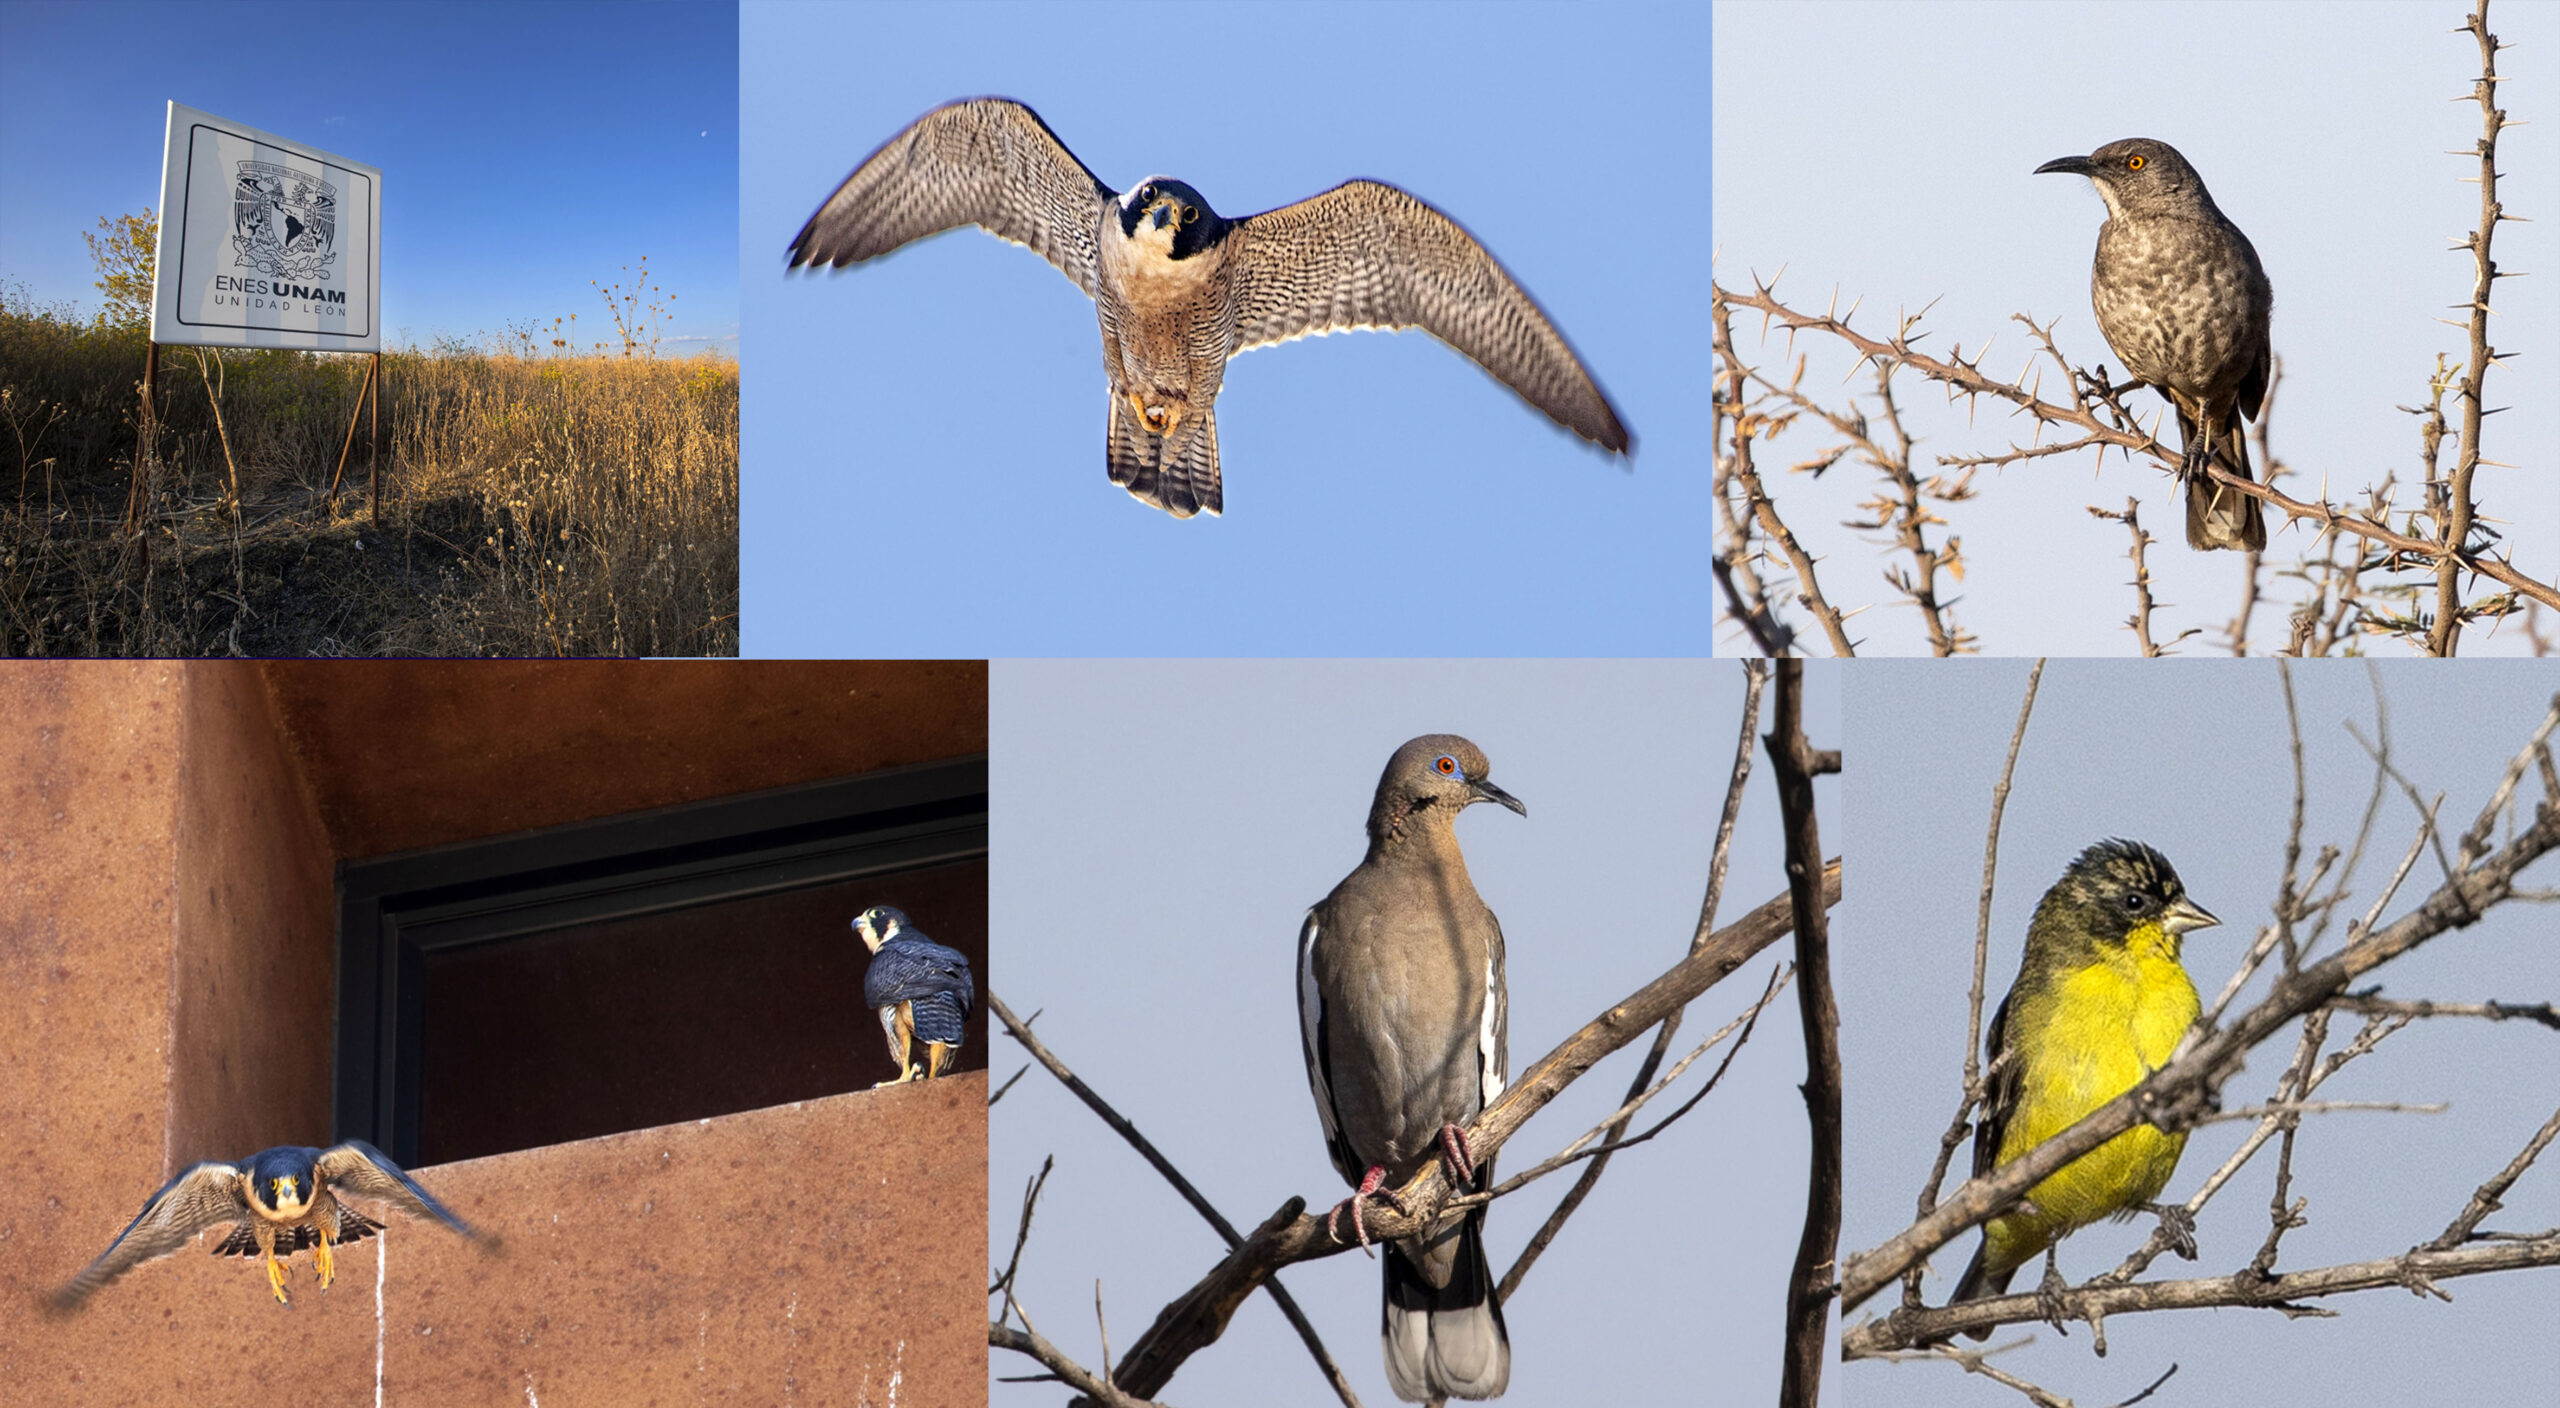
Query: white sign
<point x="265" y="242"/>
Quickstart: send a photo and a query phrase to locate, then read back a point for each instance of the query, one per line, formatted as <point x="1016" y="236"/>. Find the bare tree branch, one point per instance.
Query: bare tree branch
<point x="2173" y="1097"/>
<point x="1755" y="677"/>
<point x="1021" y="1032"/>
<point x="1815" y="1279"/>
<point x="1196" y="1319"/>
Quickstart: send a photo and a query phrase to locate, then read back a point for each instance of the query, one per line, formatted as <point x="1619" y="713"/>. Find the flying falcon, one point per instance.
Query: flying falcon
<point x="920" y="990"/>
<point x="279" y="1200"/>
<point x="1180" y="289"/>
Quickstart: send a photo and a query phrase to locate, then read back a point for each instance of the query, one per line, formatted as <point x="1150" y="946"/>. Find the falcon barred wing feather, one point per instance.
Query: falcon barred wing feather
<point x="908" y="968"/>
<point x="203" y="1195"/>
<point x="1367" y="255"/>
<point x="989" y="162"/>
<point x="359" y="1168"/>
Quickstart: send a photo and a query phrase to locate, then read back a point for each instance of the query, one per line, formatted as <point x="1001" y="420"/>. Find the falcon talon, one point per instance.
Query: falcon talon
<point x="1180" y="289"/>
<point x="277" y="1200"/>
<point x="919" y="989"/>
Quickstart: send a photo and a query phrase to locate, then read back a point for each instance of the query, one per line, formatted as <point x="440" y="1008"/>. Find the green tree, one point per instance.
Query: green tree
<point x="124" y="249"/>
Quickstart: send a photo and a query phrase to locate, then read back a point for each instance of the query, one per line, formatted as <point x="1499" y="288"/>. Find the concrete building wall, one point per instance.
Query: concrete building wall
<point x="166" y="987"/>
<point x="255" y="967"/>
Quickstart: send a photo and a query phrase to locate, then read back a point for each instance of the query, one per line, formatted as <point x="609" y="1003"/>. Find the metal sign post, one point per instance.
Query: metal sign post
<point x="264" y="242"/>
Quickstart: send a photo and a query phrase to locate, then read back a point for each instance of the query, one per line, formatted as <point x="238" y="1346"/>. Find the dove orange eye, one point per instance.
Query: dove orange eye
<point x="2133" y="163"/>
<point x="1446" y="766"/>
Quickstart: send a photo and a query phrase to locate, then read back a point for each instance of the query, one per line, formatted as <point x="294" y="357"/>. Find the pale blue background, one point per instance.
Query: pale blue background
<point x="526" y="150"/>
<point x="923" y="461"/>
<point x="1888" y="151"/>
<point x="1163" y="829"/>
<point x="2191" y="756"/>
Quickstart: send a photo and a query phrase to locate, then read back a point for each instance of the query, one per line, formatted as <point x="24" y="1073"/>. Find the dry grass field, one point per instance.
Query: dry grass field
<point x="528" y="504"/>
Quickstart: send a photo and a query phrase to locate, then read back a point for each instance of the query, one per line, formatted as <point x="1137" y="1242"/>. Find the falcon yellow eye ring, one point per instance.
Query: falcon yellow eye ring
<point x="1190" y="215"/>
<point x="2133" y="163"/>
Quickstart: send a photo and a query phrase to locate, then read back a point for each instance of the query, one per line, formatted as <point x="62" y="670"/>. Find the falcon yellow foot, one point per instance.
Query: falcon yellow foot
<point x="275" y="1279"/>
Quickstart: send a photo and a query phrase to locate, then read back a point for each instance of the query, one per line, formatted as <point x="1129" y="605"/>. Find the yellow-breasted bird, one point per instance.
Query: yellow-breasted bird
<point x="2100" y="1002"/>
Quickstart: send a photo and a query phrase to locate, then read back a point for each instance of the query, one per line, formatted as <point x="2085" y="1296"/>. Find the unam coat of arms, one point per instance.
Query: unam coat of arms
<point x="284" y="222"/>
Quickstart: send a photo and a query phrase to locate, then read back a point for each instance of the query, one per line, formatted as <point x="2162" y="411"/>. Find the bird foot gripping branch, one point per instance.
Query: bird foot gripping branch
<point x="1371" y="1186"/>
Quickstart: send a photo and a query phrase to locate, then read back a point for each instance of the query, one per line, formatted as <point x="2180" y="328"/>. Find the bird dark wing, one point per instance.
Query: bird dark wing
<point x="204" y="1195"/>
<point x="359" y="1168"/>
<point x="1313" y="1035"/>
<point x="2001" y="1100"/>
<point x="989" y="162"/>
<point x="1366" y="255"/>
<point x="910" y="967"/>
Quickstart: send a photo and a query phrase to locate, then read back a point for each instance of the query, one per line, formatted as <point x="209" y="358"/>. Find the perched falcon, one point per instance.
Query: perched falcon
<point x="920" y="989"/>
<point x="1180" y="289"/>
<point x="281" y="1200"/>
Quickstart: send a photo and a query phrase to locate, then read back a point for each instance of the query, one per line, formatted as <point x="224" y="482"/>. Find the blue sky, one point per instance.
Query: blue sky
<point x="1148" y="902"/>
<point x="2321" y="130"/>
<point x="526" y="150"/>
<point x="2192" y="757"/>
<point x="924" y="434"/>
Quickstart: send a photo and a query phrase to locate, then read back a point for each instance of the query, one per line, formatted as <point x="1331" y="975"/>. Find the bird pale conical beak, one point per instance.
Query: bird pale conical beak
<point x="2186" y="914"/>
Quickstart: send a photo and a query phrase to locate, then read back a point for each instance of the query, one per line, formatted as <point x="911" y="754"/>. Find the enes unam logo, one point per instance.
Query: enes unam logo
<point x="284" y="224"/>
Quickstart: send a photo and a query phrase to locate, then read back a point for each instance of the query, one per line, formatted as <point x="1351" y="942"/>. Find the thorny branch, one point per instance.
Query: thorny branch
<point x="2457" y="512"/>
<point x="1736" y="473"/>
<point x="1966" y="380"/>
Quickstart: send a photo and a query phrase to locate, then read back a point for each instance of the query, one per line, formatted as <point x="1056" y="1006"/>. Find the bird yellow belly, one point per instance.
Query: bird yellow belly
<point x="2092" y="1038"/>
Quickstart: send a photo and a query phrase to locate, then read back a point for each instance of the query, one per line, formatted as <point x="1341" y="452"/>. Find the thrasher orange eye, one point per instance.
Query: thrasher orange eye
<point x="1446" y="766"/>
<point x="2133" y="163"/>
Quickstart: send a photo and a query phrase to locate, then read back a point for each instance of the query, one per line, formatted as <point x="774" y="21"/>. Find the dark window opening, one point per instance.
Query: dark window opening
<point x="642" y="970"/>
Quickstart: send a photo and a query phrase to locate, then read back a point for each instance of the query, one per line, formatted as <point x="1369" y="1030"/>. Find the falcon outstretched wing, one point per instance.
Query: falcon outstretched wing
<point x="989" y="162"/>
<point x="1367" y="255"/>
<point x="359" y="1168"/>
<point x="203" y="1195"/>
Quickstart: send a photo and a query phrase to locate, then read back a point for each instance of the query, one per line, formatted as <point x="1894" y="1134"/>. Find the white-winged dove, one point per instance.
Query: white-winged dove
<point x="1401" y="1003"/>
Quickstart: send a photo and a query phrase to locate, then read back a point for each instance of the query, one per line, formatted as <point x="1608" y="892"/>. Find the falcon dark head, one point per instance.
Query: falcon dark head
<point x="2136" y="175"/>
<point x="1167" y="217"/>
<point x="879" y="924"/>
<point x="281" y="1180"/>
